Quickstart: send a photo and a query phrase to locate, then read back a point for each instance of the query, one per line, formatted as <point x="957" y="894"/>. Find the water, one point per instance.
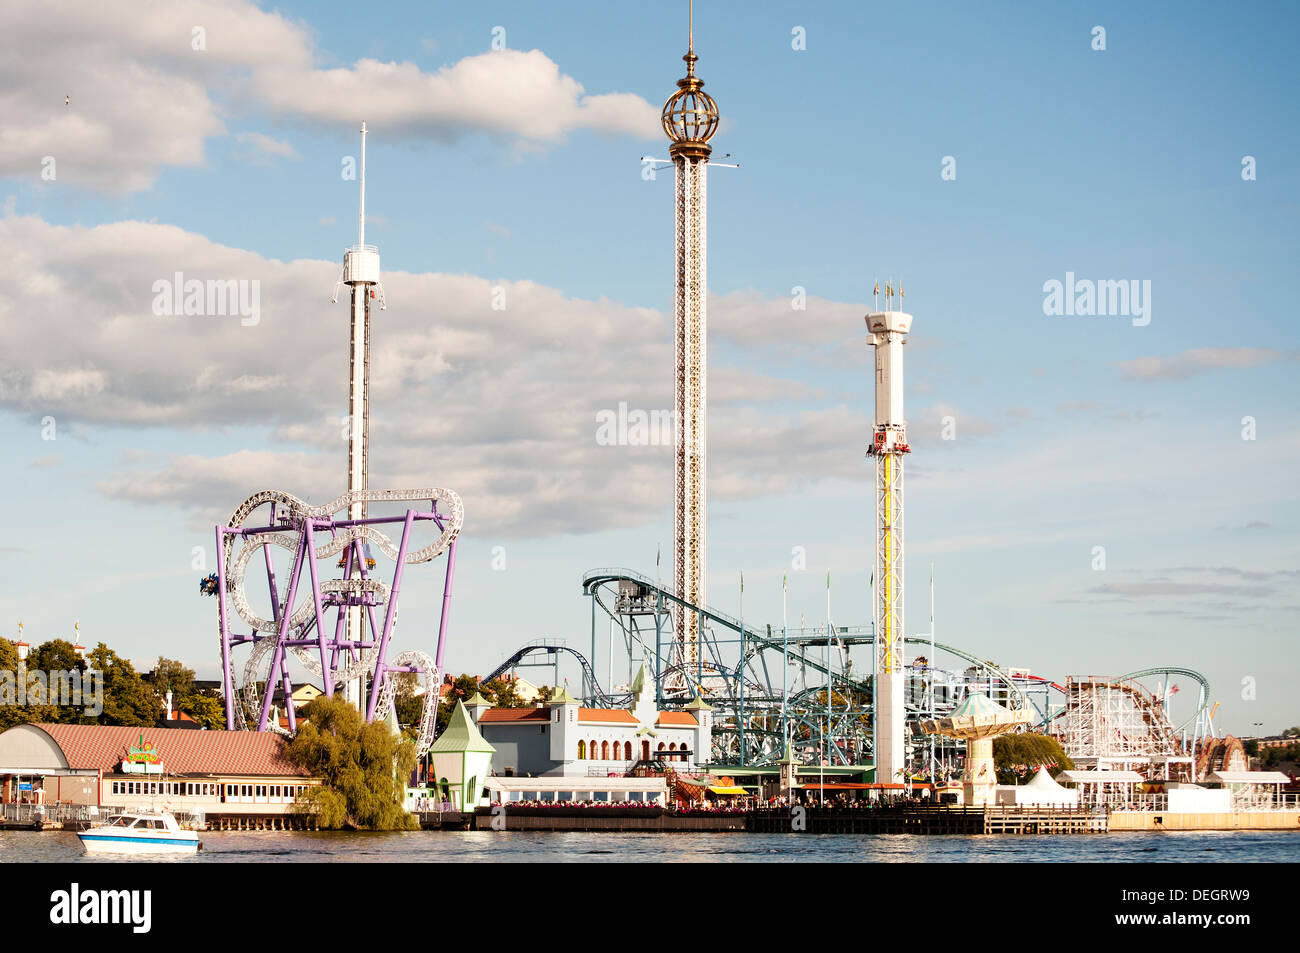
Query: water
<point x="1146" y="847"/>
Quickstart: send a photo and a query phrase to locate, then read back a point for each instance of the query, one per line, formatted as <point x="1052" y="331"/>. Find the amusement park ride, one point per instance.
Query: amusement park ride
<point x="860" y="693"/>
<point x="352" y="654"/>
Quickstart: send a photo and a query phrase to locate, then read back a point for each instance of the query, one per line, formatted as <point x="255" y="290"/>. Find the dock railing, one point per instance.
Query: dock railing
<point x="35" y="813"/>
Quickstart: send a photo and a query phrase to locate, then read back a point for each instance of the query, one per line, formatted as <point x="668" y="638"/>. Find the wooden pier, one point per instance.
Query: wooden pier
<point x="443" y="820"/>
<point x="1044" y="820"/>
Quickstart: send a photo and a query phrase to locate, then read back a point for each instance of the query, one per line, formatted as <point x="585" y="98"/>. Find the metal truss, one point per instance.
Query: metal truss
<point x="299" y="627"/>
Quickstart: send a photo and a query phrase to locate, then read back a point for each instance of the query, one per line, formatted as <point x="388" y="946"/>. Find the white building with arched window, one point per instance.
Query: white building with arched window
<point x="564" y="739"/>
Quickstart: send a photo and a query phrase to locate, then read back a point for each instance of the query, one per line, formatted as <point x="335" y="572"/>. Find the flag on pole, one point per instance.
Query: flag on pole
<point x="783" y="578"/>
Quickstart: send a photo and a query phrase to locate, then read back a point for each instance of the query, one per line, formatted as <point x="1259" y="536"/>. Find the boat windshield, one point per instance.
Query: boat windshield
<point x="120" y="821"/>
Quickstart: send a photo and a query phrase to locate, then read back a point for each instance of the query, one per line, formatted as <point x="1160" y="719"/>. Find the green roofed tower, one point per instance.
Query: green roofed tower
<point x="462" y="758"/>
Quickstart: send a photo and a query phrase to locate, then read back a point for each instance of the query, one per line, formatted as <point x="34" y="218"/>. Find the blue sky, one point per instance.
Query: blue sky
<point x="1072" y="432"/>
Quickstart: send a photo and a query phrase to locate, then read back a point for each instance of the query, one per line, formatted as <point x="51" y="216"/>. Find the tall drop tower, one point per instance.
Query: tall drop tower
<point x="887" y="330"/>
<point x="361" y="275"/>
<point x="690" y="118"/>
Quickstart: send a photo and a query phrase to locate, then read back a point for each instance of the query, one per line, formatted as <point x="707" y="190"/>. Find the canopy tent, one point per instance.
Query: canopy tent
<point x="1247" y="777"/>
<point x="1041" y="791"/>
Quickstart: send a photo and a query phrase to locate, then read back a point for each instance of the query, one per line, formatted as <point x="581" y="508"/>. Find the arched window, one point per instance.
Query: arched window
<point x="604" y="751"/>
<point x="582" y="750"/>
<point x="627" y="751"/>
<point x="645" y="750"/>
<point x="673" y="746"/>
<point x="594" y="749"/>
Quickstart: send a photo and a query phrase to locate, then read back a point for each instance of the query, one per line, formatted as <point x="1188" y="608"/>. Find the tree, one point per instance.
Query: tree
<point x="170" y="675"/>
<point x="207" y="710"/>
<point x="128" y="699"/>
<point x="16" y="714"/>
<point x="502" y="693"/>
<point x="462" y="689"/>
<point x="407" y="705"/>
<point x="8" y="656"/>
<point x="362" y="768"/>
<point x="204" y="707"/>
<point x="56" y="655"/>
<point x="1017" y="755"/>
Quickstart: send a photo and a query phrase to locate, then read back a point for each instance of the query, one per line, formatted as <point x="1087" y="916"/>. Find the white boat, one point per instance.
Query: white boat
<point x="140" y="832"/>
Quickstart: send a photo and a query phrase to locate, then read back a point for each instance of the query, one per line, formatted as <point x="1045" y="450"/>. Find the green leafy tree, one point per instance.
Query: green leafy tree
<point x="128" y="699"/>
<point x="37" y="710"/>
<point x="171" y="675"/>
<point x="363" y="769"/>
<point x="205" y="707"/>
<point x="1016" y="756"/>
<point x="207" y="710"/>
<point x="462" y="689"/>
<point x="56" y="655"/>
<point x="502" y="693"/>
<point x="407" y="705"/>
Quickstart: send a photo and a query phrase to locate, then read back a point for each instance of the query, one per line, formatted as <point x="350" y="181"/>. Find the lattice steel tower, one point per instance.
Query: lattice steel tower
<point x="690" y="118"/>
<point x="888" y="445"/>
<point x="361" y="275"/>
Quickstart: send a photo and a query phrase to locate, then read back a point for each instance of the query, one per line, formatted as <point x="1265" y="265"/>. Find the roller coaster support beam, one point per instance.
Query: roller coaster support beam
<point x="381" y="673"/>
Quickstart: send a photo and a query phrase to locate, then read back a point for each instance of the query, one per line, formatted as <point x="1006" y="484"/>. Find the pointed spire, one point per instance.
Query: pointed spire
<point x="461" y="734"/>
<point x="561" y="696"/>
<point x="639" y="682"/>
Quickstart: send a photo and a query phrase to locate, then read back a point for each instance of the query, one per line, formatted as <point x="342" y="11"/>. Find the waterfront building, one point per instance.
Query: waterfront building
<point x="209" y="773"/>
<point x="1102" y="788"/>
<point x="561" y="788"/>
<point x="566" y="739"/>
<point x="461" y="759"/>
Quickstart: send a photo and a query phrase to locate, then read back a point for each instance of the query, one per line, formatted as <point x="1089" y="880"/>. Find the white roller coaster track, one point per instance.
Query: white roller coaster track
<point x="294" y="512"/>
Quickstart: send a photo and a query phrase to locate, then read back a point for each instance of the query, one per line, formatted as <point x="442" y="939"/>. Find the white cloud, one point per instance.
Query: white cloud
<point x="1199" y="360"/>
<point x="499" y="405"/>
<point x="512" y="94"/>
<point x="265" y="145"/>
<point x="143" y="97"/>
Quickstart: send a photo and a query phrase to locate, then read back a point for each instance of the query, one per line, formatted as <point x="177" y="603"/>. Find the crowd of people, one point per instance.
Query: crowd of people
<point x="811" y="800"/>
<point x="604" y="804"/>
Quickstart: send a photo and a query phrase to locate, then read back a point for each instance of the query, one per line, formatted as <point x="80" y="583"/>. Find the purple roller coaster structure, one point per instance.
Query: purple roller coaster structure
<point x="300" y="627"/>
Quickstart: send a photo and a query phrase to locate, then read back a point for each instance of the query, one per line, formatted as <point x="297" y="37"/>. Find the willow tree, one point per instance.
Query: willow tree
<point x="363" y="769"/>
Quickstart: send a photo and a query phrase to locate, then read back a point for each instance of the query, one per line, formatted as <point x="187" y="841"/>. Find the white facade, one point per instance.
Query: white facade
<point x="611" y="790"/>
<point x="572" y="741"/>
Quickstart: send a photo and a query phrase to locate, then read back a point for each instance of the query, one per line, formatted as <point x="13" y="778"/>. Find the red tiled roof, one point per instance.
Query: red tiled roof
<point x="682" y="719"/>
<point x="87" y="747"/>
<point x="515" y="714"/>
<point x="620" y="716"/>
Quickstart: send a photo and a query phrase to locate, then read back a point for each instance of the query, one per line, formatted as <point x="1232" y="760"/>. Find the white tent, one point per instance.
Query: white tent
<point x="1041" y="791"/>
